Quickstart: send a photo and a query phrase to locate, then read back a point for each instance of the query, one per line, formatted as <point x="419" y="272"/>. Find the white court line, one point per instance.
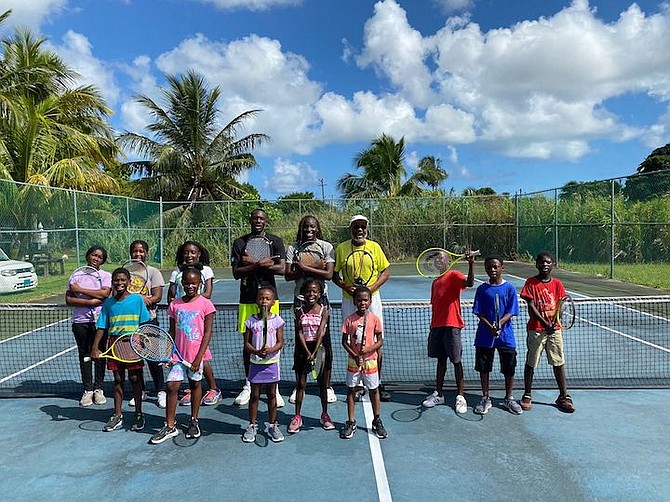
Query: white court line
<point x="383" y="489"/>
<point x="43" y="361"/>
<point x="625" y="335"/>
<point x="33" y="331"/>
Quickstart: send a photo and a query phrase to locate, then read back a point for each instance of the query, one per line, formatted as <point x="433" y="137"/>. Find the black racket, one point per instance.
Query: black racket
<point x="258" y="248"/>
<point x="359" y="268"/>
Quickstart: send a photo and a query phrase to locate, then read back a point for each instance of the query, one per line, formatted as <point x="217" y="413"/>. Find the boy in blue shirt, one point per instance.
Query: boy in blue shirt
<point x="495" y="304"/>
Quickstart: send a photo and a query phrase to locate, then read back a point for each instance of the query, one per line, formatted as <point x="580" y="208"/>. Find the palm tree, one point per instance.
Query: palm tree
<point x="51" y="133"/>
<point x="187" y="157"/>
<point x="384" y="174"/>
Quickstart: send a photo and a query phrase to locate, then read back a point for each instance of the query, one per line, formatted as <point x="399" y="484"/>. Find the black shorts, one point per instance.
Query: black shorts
<point x="484" y="360"/>
<point x="300" y="358"/>
<point x="444" y="342"/>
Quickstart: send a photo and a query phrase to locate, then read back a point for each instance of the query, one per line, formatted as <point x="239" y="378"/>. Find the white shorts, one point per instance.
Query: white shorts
<point x="349" y="308"/>
<point x="357" y="379"/>
<point x="179" y="371"/>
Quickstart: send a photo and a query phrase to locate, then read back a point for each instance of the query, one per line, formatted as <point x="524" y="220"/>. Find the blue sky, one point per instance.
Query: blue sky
<point x="515" y="95"/>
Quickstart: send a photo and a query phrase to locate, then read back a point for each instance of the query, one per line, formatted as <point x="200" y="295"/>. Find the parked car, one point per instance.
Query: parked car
<point x="16" y="275"/>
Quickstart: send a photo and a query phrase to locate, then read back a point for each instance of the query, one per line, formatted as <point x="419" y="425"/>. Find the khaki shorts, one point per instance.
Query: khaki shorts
<point x="537" y="341"/>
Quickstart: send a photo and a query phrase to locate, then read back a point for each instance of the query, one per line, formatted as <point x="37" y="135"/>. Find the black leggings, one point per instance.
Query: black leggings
<point x="84" y="334"/>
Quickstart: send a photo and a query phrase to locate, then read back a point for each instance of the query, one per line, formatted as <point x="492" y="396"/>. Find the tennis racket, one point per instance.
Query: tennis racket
<point x="258" y="248"/>
<point x="359" y="268"/>
<point x="317" y="362"/>
<point x="496" y="309"/>
<point x="86" y="277"/>
<point x="153" y="343"/>
<point x="566" y="313"/>
<point x="362" y="338"/>
<point x="310" y="254"/>
<point x="121" y="350"/>
<point x="434" y="262"/>
<point x="139" y="275"/>
<point x="264" y="314"/>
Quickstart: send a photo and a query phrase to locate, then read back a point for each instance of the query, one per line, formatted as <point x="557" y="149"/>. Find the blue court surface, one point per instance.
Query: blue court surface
<point x="611" y="448"/>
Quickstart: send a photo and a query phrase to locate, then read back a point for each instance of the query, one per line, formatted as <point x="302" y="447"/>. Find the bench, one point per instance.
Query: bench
<point x="45" y="264"/>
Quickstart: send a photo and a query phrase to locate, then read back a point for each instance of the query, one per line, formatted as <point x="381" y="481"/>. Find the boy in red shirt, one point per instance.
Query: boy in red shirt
<point x="444" y="339"/>
<point x="542" y="293"/>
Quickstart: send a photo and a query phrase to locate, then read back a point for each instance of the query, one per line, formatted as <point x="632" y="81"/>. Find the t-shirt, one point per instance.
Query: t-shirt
<point x="445" y="300"/>
<point x="83" y="315"/>
<point x="175" y="278"/>
<point x="353" y="328"/>
<point x="545" y="296"/>
<point x="249" y="284"/>
<point x="255" y="324"/>
<point x="123" y="317"/>
<point x="485" y="301"/>
<point x="292" y="256"/>
<point x="344" y="249"/>
<point x="154" y="280"/>
<point x="189" y="323"/>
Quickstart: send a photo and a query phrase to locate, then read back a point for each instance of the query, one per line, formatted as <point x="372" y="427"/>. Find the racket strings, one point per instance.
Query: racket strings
<point x="258" y="248"/>
<point x="152" y="345"/>
<point x="123" y="350"/>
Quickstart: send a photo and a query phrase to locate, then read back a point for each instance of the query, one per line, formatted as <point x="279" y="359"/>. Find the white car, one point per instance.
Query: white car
<point x="16" y="275"/>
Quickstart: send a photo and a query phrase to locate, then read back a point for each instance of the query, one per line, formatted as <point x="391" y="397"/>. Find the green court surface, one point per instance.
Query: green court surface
<point x="611" y="448"/>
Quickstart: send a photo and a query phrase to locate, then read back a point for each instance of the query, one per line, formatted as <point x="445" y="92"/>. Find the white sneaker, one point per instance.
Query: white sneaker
<point x="132" y="399"/>
<point x="291" y="398"/>
<point x="280" y="400"/>
<point x="99" y="397"/>
<point x="330" y="395"/>
<point x="162" y="399"/>
<point x="86" y="398"/>
<point x="433" y="400"/>
<point x="461" y="405"/>
<point x="244" y="396"/>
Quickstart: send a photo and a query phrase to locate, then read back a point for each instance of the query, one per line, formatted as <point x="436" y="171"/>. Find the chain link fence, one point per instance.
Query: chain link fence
<point x="622" y="220"/>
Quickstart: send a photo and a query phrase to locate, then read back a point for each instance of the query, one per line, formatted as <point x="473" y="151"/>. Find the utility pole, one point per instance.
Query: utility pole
<point x="323" y="193"/>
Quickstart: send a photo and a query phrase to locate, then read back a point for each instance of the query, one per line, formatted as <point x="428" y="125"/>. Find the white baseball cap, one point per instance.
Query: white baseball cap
<point x="357" y="217"/>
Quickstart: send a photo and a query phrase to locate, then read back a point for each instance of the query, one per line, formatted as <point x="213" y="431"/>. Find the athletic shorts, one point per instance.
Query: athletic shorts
<point x="114" y="365"/>
<point x="358" y="379"/>
<point x="444" y="342"/>
<point x="300" y="358"/>
<point x="178" y="371"/>
<point x="537" y="341"/>
<point x="484" y="360"/>
<point x="246" y="310"/>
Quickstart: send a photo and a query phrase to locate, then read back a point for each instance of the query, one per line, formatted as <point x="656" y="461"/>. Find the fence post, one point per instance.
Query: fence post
<point x="517" y="196"/>
<point x="556" y="257"/>
<point x="76" y="227"/>
<point x="127" y="220"/>
<point x="612" y="243"/>
<point x="160" y="223"/>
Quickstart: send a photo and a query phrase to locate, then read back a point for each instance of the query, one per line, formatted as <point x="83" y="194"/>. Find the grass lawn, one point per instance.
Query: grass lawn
<point x="655" y="275"/>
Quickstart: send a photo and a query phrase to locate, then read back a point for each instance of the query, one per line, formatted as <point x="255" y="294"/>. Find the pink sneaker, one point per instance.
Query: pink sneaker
<point x="295" y="425"/>
<point x="211" y="397"/>
<point x="326" y="422"/>
<point x="186" y="400"/>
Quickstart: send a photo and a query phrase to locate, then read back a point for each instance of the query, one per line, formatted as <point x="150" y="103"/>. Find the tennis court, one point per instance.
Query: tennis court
<point x="608" y="450"/>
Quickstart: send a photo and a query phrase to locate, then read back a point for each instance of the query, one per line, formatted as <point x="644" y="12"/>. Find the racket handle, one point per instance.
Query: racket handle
<point x="87" y="359"/>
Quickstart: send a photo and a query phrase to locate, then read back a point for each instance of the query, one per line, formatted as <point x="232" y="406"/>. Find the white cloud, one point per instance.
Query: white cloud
<point x="77" y="52"/>
<point x="449" y="6"/>
<point x="253" y="5"/>
<point x="288" y="177"/>
<point x="32" y="13"/>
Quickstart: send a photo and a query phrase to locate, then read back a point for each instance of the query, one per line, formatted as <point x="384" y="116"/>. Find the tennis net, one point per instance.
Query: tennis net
<point x="615" y="343"/>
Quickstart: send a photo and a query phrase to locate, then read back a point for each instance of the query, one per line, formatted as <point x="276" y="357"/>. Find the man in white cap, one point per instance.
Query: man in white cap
<point x="345" y="277"/>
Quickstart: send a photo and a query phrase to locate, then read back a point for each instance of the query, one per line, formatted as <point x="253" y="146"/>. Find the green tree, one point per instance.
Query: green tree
<point x="51" y="133"/>
<point x="188" y="157"/>
<point x="384" y="174"/>
<point x="653" y="179"/>
<point x="658" y="160"/>
<point x="574" y="189"/>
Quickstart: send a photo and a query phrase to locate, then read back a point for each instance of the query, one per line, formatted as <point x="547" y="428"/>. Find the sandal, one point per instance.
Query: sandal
<point x="564" y="404"/>
<point x="526" y="402"/>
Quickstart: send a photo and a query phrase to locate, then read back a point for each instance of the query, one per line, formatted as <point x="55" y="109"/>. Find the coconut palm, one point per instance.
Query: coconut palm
<point x="187" y="156"/>
<point x="384" y="174"/>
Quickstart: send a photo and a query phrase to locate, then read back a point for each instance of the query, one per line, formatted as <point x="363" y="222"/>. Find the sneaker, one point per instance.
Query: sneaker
<point x="295" y="424"/>
<point x="211" y="397"/>
<point x="193" y="431"/>
<point x="331" y="397"/>
<point x="433" y="400"/>
<point x="564" y="403"/>
<point x="348" y="430"/>
<point x="360" y="392"/>
<point x="132" y="399"/>
<point x="526" y="402"/>
<point x="139" y="422"/>
<point x="164" y="434"/>
<point x="244" y="396"/>
<point x="280" y="400"/>
<point x="115" y="422"/>
<point x="461" y="405"/>
<point x="249" y="435"/>
<point x="483" y="406"/>
<point x="384" y="396"/>
<point x="326" y="422"/>
<point x="275" y="434"/>
<point x="513" y="407"/>
<point x="186" y="399"/>
<point x="99" y="397"/>
<point x="291" y="398"/>
<point x="378" y="428"/>
<point x="86" y="398"/>
<point x="162" y="399"/>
